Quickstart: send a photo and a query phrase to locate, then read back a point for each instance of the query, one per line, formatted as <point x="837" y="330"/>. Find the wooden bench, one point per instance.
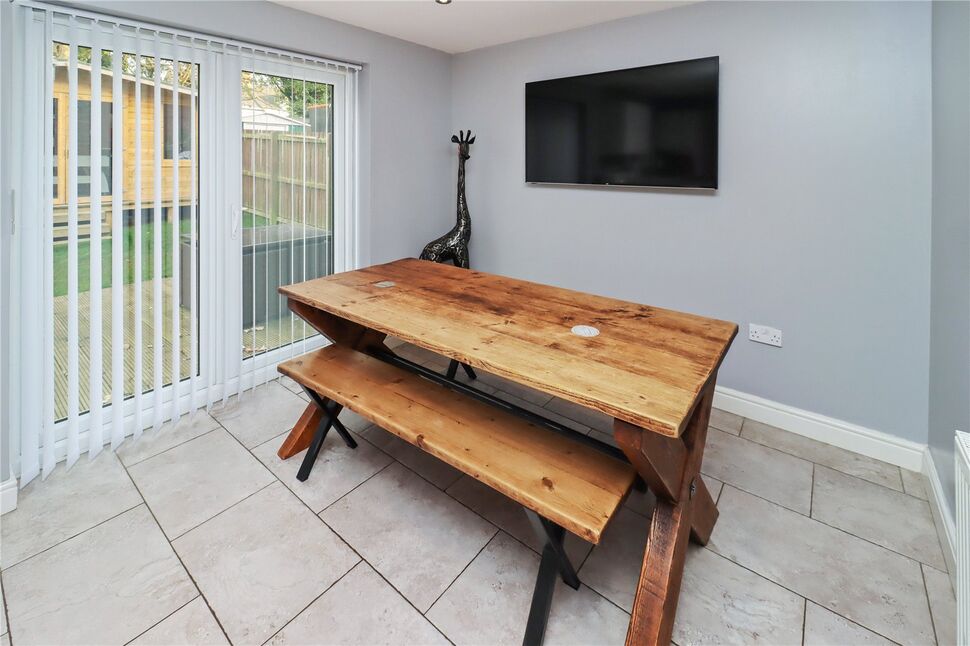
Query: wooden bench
<point x="565" y="483"/>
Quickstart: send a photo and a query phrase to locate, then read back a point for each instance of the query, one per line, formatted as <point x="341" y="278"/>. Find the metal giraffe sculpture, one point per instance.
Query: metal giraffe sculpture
<point x="453" y="245"/>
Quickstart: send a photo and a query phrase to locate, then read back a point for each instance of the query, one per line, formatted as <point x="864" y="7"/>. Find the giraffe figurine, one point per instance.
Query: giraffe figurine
<point x="453" y="245"/>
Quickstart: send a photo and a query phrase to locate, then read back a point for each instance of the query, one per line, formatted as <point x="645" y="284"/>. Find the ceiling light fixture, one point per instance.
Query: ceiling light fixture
<point x="443" y="1"/>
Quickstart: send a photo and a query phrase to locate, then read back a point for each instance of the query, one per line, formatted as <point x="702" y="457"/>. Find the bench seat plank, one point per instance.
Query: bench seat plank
<point x="569" y="483"/>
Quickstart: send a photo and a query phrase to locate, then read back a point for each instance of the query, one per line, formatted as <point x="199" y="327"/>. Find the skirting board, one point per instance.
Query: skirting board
<point x="943" y="516"/>
<point x="852" y="437"/>
<point x="8" y="495"/>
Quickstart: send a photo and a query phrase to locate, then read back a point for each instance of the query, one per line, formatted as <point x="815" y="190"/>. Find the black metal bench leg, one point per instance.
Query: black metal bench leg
<point x="329" y="416"/>
<point x="453" y="369"/>
<point x="344" y="434"/>
<point x="554" y="562"/>
<point x="337" y="424"/>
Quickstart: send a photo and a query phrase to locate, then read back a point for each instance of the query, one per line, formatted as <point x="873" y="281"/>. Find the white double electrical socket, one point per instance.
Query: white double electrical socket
<point x="764" y="334"/>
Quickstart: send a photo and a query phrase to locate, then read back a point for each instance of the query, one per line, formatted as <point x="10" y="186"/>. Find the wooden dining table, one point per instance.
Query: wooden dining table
<point x="652" y="370"/>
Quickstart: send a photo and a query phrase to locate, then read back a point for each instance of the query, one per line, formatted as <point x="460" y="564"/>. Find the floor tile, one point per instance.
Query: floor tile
<point x="5" y="639"/>
<point x="642" y="502"/>
<point x="866" y="583"/>
<point x="360" y="609"/>
<point x="261" y="414"/>
<point x="418" y="355"/>
<point x="415" y="535"/>
<point x="510" y="516"/>
<point x="105" y="586"/>
<point x="714" y="486"/>
<point x="290" y="385"/>
<point x="889" y="518"/>
<point x="585" y="416"/>
<point x="509" y="387"/>
<point x="723" y="603"/>
<point x="727" y="422"/>
<point x="3" y="614"/>
<point x="833" y="457"/>
<point x="613" y="568"/>
<point x="153" y="442"/>
<point x="438" y="473"/>
<point x="68" y="502"/>
<point x="489" y="603"/>
<point x="544" y="412"/>
<point x="914" y="483"/>
<point x="755" y="468"/>
<point x="338" y="468"/>
<point x="195" y="481"/>
<point x="262" y="562"/>
<point x="825" y="628"/>
<point x="193" y="624"/>
<point x="943" y="604"/>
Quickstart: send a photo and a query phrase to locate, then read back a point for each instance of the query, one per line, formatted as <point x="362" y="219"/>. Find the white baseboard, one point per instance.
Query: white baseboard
<point x="8" y="495"/>
<point x="943" y="516"/>
<point x="852" y="437"/>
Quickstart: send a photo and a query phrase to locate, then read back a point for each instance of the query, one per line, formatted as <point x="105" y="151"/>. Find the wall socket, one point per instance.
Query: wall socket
<point x="764" y="334"/>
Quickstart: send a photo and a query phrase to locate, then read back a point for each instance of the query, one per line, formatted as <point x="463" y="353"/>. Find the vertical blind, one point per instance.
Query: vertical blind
<point x="153" y="230"/>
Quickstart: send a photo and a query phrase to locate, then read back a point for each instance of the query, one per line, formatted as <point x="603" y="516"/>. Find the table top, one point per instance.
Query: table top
<point x="647" y="366"/>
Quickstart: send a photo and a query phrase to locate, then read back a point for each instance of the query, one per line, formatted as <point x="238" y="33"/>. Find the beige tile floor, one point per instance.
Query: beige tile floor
<point x="199" y="534"/>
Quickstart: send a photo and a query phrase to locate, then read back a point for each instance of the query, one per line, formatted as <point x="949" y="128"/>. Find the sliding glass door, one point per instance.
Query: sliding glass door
<point x="287" y="155"/>
<point x="292" y="130"/>
<point x="168" y="185"/>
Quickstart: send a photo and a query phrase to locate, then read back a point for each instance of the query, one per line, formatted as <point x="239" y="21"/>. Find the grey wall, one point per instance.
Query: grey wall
<point x="821" y="224"/>
<point x="950" y="309"/>
<point x="405" y="109"/>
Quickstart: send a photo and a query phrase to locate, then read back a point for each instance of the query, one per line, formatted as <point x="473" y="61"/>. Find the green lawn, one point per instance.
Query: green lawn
<point x="128" y="237"/>
<point x="251" y="220"/>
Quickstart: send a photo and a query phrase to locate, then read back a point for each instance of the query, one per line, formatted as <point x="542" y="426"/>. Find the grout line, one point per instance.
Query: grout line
<point x="822" y="522"/>
<point x="804" y="617"/>
<point x="198" y="596"/>
<point x="797" y="594"/>
<point x="811" y="494"/>
<point x="342" y="539"/>
<point x="217" y="514"/>
<point x="313" y="601"/>
<point x="174" y="446"/>
<point x="902" y="490"/>
<point x="188" y="573"/>
<point x="6" y="614"/>
<point x="929" y="607"/>
<point x="467" y="565"/>
<point x="47" y="549"/>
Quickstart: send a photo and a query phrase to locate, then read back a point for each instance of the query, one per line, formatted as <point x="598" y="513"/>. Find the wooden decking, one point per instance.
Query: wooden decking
<point x="255" y="341"/>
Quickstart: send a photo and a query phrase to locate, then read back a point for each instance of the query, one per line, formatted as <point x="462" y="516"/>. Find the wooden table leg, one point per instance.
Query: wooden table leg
<point x="340" y="331"/>
<point x="302" y="434"/>
<point x="684" y="510"/>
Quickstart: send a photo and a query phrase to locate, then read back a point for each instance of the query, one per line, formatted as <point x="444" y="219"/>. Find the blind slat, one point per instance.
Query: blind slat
<point x="158" y="343"/>
<point x="193" y="260"/>
<point x="49" y="458"/>
<point x="176" y="216"/>
<point x="95" y="377"/>
<point x="117" y="247"/>
<point x="138" y="387"/>
<point x="73" y="341"/>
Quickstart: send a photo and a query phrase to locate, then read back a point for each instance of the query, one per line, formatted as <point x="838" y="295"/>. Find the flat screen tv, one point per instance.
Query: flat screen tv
<point x="646" y="126"/>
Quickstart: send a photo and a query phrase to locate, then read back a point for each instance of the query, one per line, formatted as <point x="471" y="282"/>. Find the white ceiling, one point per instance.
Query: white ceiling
<point x="464" y="25"/>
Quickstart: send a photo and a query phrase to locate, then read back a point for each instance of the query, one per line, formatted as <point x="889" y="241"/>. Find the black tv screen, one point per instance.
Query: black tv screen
<point x="645" y="126"/>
